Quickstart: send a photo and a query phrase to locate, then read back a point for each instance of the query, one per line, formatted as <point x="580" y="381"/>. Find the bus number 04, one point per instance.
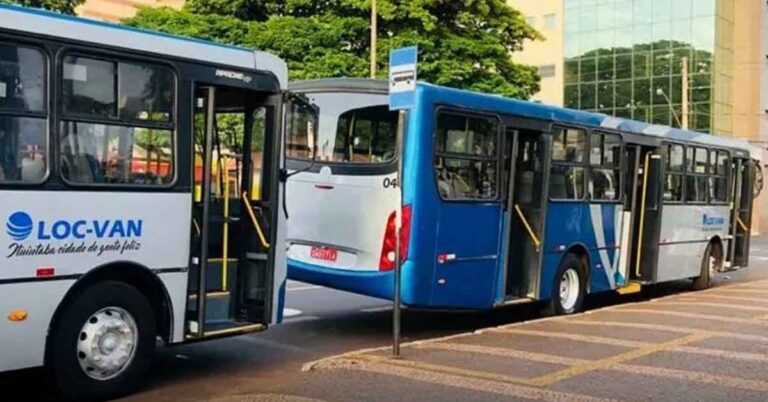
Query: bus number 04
<point x="390" y="183"/>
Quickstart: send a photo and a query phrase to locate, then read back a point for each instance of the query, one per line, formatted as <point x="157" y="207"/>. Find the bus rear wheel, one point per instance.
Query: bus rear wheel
<point x="711" y="263"/>
<point x="569" y="288"/>
<point x="103" y="343"/>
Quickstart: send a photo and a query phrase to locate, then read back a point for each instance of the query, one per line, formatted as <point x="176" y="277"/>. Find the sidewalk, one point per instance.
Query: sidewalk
<point x="704" y="346"/>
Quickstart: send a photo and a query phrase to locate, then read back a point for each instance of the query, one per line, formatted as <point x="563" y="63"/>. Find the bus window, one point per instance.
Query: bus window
<point x="605" y="167"/>
<point x="300" y="132"/>
<point x="697" y="161"/>
<point x="23" y="115"/>
<point x="131" y="140"/>
<point x="673" y="180"/>
<point x="465" y="160"/>
<point x="366" y="135"/>
<point x="718" y="182"/>
<point x="566" y="180"/>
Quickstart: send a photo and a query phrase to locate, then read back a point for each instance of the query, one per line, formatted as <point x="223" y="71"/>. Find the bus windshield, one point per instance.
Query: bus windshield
<point x="362" y="135"/>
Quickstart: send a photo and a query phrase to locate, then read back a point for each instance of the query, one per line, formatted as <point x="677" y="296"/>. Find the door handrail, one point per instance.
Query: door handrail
<point x="741" y="223"/>
<point x="225" y="234"/>
<point x="528" y="227"/>
<point x="256" y="225"/>
<point x="643" y="202"/>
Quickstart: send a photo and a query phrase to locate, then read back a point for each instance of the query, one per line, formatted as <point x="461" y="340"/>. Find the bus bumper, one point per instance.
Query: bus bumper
<point x="369" y="283"/>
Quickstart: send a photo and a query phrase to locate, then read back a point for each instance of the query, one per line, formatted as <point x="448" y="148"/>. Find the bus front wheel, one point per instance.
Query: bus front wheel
<point x="569" y="290"/>
<point x="103" y="343"/>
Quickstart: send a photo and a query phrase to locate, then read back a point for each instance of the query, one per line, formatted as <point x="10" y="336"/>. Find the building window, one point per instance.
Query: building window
<point x="117" y="124"/>
<point x="547" y="71"/>
<point x="549" y="22"/>
<point x="531" y="21"/>
<point x="23" y="115"/>
<point x="566" y="179"/>
<point x="466" y="157"/>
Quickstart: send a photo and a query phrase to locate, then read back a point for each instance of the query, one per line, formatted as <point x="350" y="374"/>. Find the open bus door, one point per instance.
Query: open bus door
<point x="745" y="175"/>
<point x="527" y="149"/>
<point x="643" y="195"/>
<point x="234" y="210"/>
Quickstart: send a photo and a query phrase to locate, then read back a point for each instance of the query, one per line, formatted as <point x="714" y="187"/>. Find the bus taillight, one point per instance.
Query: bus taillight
<point x="387" y="260"/>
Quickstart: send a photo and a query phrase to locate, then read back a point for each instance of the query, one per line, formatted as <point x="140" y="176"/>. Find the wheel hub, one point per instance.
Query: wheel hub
<point x="569" y="289"/>
<point x="107" y="343"/>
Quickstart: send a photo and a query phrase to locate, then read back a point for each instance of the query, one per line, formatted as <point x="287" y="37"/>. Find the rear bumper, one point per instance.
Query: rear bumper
<point x="370" y="283"/>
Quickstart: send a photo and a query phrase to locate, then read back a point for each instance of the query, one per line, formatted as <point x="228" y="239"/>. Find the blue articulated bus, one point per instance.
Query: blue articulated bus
<point x="507" y="201"/>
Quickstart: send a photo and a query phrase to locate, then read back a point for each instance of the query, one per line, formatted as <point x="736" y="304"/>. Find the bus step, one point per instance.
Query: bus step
<point x="225" y="327"/>
<point x="217" y="306"/>
<point x="257" y="256"/>
<point x="214" y="275"/>
<point x="632" y="287"/>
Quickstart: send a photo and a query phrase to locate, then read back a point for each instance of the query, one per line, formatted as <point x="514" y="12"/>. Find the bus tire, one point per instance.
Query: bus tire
<point x="569" y="287"/>
<point x="710" y="263"/>
<point x="103" y="343"/>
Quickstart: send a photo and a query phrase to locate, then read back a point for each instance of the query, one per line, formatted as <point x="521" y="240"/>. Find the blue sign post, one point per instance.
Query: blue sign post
<point x="402" y="96"/>
<point x="402" y="77"/>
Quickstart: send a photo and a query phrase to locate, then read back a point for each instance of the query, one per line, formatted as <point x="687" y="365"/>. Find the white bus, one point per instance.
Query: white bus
<point x="139" y="193"/>
<point x="355" y="168"/>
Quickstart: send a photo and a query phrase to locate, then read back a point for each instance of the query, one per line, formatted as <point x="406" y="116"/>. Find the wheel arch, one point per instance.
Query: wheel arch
<point x="131" y="273"/>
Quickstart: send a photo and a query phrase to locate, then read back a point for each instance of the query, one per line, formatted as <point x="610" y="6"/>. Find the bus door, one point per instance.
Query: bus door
<point x="643" y="197"/>
<point x="232" y="222"/>
<point x="525" y="209"/>
<point x="741" y="220"/>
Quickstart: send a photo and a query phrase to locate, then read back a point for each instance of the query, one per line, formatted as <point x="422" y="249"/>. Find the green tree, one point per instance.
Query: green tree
<point x="62" y="6"/>
<point x="465" y="44"/>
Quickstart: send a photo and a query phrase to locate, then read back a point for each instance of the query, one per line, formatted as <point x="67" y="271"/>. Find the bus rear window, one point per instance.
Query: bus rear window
<point x="366" y="135"/>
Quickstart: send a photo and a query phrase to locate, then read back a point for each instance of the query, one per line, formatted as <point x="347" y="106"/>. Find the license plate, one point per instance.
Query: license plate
<point x="324" y="253"/>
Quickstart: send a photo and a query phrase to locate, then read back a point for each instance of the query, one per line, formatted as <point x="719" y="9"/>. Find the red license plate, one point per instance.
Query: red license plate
<point x="324" y="253"/>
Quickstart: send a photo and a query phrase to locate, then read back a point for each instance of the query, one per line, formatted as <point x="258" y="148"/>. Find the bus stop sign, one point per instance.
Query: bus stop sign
<point x="402" y="77"/>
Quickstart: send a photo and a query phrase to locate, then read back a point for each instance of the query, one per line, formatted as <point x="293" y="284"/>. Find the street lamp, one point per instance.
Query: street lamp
<point x="660" y="92"/>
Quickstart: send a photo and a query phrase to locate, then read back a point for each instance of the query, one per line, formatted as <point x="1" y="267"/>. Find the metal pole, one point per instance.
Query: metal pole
<point x="669" y="103"/>
<point x="397" y="310"/>
<point x="374" y="34"/>
<point x="685" y="93"/>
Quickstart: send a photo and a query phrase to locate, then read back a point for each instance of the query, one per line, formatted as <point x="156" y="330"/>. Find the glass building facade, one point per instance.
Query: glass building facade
<point x="625" y="58"/>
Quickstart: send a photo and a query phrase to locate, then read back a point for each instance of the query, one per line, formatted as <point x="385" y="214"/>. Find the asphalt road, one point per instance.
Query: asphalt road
<point x="320" y="322"/>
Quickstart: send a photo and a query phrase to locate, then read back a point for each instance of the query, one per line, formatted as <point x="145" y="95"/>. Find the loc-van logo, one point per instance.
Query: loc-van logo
<point x="21" y="226"/>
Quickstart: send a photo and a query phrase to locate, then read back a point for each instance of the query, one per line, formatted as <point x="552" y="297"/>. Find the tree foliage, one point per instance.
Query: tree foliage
<point x="62" y="6"/>
<point x="465" y="44"/>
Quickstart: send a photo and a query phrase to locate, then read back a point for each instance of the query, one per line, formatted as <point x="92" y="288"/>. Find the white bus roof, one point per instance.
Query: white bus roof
<point x="56" y="25"/>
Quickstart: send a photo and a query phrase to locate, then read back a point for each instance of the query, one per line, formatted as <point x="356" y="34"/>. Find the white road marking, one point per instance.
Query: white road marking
<point x="291" y="312"/>
<point x="300" y="288"/>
